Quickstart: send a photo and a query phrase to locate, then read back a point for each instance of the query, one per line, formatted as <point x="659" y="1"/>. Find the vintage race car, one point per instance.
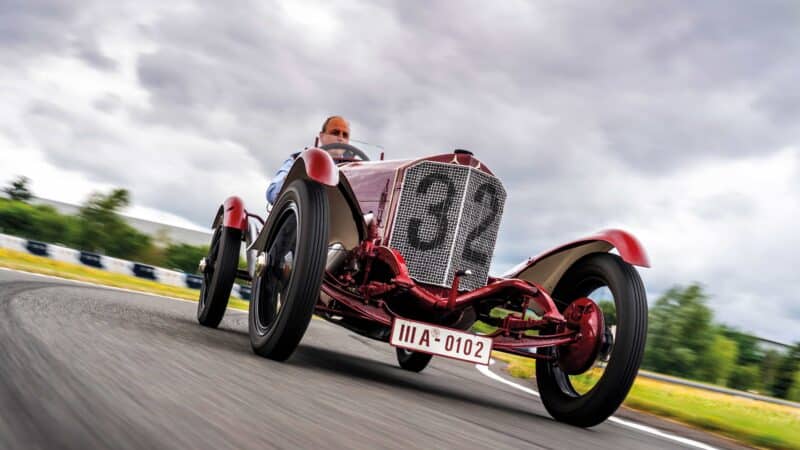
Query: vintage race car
<point x="399" y="251"/>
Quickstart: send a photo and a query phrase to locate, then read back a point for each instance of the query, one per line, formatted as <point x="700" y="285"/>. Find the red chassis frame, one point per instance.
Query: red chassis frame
<point x="579" y="329"/>
<point x="369" y="304"/>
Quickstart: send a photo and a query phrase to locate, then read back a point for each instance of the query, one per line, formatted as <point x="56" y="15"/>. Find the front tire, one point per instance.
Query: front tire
<point x="218" y="276"/>
<point x="591" y="407"/>
<point x="412" y="361"/>
<point x="286" y="290"/>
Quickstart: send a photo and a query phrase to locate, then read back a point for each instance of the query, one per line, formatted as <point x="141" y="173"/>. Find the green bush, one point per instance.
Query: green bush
<point x="718" y="360"/>
<point x="680" y="332"/>
<point x="98" y="227"/>
<point x="745" y="377"/>
<point x="37" y="222"/>
<point x="749" y="350"/>
<point x="786" y="373"/>
<point x="794" y="391"/>
<point x="184" y="257"/>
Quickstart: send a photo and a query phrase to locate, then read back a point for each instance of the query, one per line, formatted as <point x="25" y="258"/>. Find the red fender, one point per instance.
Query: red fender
<point x="232" y="214"/>
<point x="629" y="248"/>
<point x="320" y="166"/>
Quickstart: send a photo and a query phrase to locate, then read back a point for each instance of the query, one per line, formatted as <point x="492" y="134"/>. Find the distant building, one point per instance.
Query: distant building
<point x="158" y="231"/>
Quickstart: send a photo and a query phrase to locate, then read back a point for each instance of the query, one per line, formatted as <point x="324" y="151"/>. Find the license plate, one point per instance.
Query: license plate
<point x="440" y="341"/>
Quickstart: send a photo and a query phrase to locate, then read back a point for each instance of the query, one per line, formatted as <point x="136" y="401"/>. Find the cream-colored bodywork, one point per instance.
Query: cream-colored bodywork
<point x="547" y="271"/>
<point x="346" y="224"/>
<point x="343" y="228"/>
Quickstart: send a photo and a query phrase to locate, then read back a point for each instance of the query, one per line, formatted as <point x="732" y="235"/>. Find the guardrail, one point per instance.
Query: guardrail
<point x="115" y="265"/>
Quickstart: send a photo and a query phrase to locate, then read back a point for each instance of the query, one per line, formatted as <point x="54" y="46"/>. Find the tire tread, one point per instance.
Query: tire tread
<point x="222" y="281"/>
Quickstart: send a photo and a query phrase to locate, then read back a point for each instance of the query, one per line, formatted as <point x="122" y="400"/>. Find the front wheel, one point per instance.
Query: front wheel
<point x="286" y="289"/>
<point x="588" y="398"/>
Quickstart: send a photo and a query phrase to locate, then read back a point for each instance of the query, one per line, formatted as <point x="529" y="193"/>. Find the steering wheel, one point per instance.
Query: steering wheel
<point x="348" y="152"/>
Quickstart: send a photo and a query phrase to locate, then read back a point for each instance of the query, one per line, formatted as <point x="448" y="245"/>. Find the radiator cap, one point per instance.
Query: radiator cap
<point x="461" y="151"/>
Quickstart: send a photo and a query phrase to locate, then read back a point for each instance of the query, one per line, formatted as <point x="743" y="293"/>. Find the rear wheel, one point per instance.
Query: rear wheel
<point x="412" y="361"/>
<point x="219" y="272"/>
<point x="287" y="287"/>
<point x="588" y="398"/>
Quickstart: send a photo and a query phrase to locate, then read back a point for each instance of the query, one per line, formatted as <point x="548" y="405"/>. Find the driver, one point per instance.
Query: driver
<point x="335" y="129"/>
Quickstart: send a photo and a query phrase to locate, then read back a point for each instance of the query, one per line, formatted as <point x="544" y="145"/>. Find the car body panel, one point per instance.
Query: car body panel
<point x="547" y="268"/>
<point x="231" y="214"/>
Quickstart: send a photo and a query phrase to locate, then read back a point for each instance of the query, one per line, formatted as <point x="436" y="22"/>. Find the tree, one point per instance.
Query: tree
<point x="718" y="360"/>
<point x="744" y="378"/>
<point x="794" y="391"/>
<point x="749" y="350"/>
<point x="784" y="377"/>
<point x="102" y="229"/>
<point x="609" y="312"/>
<point x="679" y="332"/>
<point x="184" y="257"/>
<point x="768" y="368"/>
<point x="18" y="189"/>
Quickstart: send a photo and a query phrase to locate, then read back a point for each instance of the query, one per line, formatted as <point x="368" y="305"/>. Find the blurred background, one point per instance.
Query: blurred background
<point x="124" y="125"/>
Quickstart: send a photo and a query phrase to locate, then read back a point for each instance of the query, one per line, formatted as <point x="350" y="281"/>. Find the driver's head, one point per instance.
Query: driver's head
<point x="334" y="130"/>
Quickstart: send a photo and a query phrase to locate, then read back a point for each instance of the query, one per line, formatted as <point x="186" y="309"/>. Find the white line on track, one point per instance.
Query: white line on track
<point x="625" y="423"/>
<point x="113" y="288"/>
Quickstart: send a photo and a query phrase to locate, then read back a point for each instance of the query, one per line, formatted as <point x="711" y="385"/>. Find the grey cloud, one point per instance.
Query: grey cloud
<point x="658" y="87"/>
<point x="660" y="83"/>
<point x="780" y="98"/>
<point x="159" y="178"/>
<point x="89" y="52"/>
<point x="30" y="28"/>
<point x="165" y="75"/>
<point x="35" y="23"/>
<point x="108" y="103"/>
<point x="74" y="143"/>
<point x="720" y="207"/>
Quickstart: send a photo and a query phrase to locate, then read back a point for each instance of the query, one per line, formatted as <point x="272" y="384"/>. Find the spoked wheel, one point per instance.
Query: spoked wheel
<point x="288" y="286"/>
<point x="412" y="361"/>
<point x="219" y="272"/>
<point x="585" y="390"/>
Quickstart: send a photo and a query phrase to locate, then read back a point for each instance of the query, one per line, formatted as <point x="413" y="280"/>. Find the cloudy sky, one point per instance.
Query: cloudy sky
<point x="678" y="122"/>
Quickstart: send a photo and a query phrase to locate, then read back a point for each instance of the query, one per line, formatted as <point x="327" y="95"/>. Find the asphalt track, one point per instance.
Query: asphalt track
<point x="88" y="367"/>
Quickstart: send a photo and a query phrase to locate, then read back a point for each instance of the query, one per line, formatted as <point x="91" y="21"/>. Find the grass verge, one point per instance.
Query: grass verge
<point x="750" y="421"/>
<point x="37" y="264"/>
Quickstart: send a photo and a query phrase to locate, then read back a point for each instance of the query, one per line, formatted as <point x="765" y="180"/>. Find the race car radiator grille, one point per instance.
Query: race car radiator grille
<point x="447" y="220"/>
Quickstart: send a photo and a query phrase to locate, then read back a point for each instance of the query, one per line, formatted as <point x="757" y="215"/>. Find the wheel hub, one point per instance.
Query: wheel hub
<point x="286" y="266"/>
<point x="585" y="316"/>
<point x="261" y="263"/>
<point x="275" y="269"/>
